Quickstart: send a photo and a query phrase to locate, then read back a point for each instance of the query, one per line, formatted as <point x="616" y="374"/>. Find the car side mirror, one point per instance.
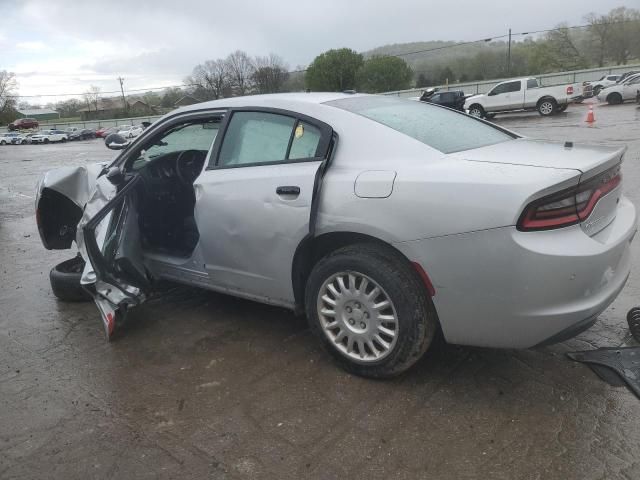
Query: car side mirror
<point x="115" y="176"/>
<point x="116" y="142"/>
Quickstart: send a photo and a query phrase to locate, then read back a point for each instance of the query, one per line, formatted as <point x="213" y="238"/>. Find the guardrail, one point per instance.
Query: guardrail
<point x="574" y="76"/>
<point x="94" y="124"/>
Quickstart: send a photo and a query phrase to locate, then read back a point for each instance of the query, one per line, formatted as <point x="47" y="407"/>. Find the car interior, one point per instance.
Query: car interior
<point x="165" y="197"/>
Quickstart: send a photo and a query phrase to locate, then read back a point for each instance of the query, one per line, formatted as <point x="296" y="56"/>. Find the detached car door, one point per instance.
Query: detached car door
<point x="255" y="200"/>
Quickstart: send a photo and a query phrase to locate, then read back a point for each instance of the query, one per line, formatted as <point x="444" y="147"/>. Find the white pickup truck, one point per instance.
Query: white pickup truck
<point x="524" y="94"/>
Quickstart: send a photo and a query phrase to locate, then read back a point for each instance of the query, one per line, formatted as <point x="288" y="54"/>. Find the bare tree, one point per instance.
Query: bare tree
<point x="269" y="74"/>
<point x="240" y="71"/>
<point x="211" y="78"/>
<point x="92" y="97"/>
<point x="8" y="84"/>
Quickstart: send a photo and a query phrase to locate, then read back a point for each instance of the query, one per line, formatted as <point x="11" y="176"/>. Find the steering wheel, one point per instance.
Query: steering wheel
<point x="183" y="160"/>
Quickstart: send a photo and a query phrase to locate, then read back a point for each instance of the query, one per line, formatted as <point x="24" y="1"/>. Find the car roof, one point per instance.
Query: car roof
<point x="285" y="101"/>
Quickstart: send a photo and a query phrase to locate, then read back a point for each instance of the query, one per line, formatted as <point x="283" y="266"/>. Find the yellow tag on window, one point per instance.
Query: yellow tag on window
<point x="299" y="131"/>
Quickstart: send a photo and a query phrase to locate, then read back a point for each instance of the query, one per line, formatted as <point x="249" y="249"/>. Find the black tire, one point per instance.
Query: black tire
<point x="2" y="142"/>
<point x="614" y="99"/>
<point x="46" y="140"/>
<point x="547" y="107"/>
<point x="23" y="142"/>
<point x="63" y="140"/>
<point x="477" y="111"/>
<point x="596" y="90"/>
<point x="65" y="281"/>
<point x="416" y="316"/>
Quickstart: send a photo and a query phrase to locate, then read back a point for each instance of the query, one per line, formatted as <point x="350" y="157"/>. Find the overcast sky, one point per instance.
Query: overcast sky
<point x="60" y="46"/>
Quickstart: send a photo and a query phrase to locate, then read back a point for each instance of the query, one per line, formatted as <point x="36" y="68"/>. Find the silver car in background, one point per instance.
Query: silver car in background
<point x="382" y="219"/>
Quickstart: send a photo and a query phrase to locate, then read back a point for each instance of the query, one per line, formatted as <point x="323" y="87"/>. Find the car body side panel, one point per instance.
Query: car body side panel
<point x="435" y="198"/>
<point x="505" y="288"/>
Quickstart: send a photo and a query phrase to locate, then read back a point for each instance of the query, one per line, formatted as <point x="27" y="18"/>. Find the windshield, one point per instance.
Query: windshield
<point x="440" y="128"/>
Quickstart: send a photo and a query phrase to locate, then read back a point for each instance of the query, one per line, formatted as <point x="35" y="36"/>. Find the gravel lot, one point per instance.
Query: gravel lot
<point x="207" y="386"/>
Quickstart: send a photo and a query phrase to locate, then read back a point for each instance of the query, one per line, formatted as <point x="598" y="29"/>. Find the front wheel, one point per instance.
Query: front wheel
<point x="370" y="310"/>
<point x="547" y="107"/>
<point x="476" y="111"/>
<point x="63" y="140"/>
<point x="65" y="281"/>
<point x="46" y="140"/>
<point x="3" y="143"/>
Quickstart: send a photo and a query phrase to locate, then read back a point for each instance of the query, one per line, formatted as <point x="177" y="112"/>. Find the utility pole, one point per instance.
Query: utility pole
<point x="509" y="56"/>
<point x="124" y="100"/>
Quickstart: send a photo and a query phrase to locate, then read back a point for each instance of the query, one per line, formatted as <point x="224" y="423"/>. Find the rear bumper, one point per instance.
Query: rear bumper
<point x="511" y="289"/>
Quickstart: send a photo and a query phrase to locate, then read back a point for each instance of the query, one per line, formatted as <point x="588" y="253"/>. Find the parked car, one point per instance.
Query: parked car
<point x="452" y="99"/>
<point x="9" y="138"/>
<point x="628" y="74"/>
<point x="130" y="131"/>
<point x="372" y="214"/>
<point x="104" y="131"/>
<point x="605" y="81"/>
<point x="621" y="92"/>
<point x="83" y="134"/>
<point x="46" y="136"/>
<point x="23" y="123"/>
<point x="524" y="94"/>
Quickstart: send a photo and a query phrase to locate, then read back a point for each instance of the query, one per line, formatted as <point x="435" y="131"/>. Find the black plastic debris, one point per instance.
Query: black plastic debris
<point x="616" y="366"/>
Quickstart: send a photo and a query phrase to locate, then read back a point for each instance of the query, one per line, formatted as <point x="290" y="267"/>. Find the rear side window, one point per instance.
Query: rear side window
<point x="437" y="127"/>
<point x="261" y="137"/>
<point x="532" y="83"/>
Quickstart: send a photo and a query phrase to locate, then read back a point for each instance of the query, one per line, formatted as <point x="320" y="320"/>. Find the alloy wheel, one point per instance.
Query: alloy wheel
<point x="357" y="316"/>
<point x="546" y="108"/>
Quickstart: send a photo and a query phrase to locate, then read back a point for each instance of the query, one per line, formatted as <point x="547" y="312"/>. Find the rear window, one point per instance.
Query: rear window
<point x="437" y="127"/>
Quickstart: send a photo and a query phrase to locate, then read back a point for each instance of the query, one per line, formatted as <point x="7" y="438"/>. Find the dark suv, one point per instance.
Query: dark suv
<point x="453" y="99"/>
<point x="23" y="123"/>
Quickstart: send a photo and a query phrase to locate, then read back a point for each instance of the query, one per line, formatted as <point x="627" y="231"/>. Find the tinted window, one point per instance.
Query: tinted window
<point x="502" y="88"/>
<point x="435" y="98"/>
<point x="531" y="83"/>
<point x="442" y="129"/>
<point x="513" y="86"/>
<point x="260" y="137"/>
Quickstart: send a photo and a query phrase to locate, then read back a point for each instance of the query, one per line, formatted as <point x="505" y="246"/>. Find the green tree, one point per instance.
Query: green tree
<point x="334" y="70"/>
<point x="384" y="74"/>
<point x="422" y="81"/>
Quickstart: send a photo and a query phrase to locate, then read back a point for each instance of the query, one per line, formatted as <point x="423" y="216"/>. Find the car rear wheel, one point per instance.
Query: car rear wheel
<point x="370" y="310"/>
<point x="614" y="99"/>
<point x="2" y="142"/>
<point x="63" y="140"/>
<point x="547" y="107"/>
<point x="476" y="111"/>
<point x="65" y="281"/>
<point x="46" y="140"/>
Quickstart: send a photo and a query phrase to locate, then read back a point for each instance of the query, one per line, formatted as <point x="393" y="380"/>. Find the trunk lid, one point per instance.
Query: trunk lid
<point x="588" y="159"/>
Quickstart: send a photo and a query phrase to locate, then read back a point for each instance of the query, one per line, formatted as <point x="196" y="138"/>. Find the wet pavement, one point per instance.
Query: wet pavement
<point x="201" y="385"/>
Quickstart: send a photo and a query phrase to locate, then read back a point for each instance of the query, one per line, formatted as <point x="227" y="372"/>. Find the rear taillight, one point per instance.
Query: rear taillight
<point x="569" y="206"/>
<point x="570" y="90"/>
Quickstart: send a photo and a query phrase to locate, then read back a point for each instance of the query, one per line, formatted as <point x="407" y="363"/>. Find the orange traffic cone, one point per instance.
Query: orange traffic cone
<point x="590" y="116"/>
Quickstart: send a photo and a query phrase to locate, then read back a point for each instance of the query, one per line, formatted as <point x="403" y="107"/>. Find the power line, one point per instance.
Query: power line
<point x="426" y="50"/>
<point x="101" y="93"/>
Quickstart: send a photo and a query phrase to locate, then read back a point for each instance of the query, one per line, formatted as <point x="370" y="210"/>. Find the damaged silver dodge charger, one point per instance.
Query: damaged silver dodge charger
<point x="382" y="219"/>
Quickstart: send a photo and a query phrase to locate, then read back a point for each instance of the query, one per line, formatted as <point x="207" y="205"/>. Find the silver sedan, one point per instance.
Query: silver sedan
<point x="382" y="219"/>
